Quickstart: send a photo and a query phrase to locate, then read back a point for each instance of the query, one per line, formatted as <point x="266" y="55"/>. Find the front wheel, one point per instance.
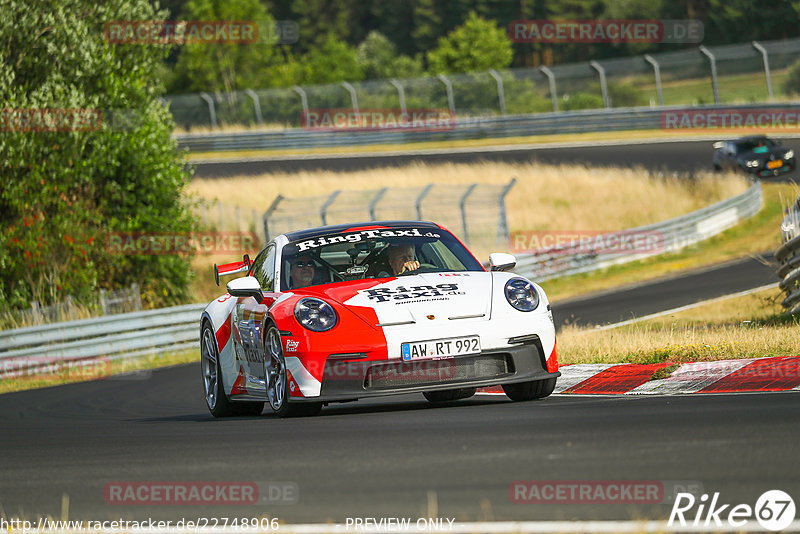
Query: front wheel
<point x="277" y="382"/>
<point x="525" y="391"/>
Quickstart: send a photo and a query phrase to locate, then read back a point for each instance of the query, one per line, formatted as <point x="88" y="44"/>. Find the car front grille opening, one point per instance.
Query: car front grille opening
<point x="424" y="372"/>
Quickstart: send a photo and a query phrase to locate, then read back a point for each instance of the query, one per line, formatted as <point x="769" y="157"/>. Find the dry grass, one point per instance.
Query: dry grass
<point x="546" y="197"/>
<point x="750" y="326"/>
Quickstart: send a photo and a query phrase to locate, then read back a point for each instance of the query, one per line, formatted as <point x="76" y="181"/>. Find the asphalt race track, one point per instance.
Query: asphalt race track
<point x="678" y="156"/>
<point x="381" y="458"/>
<point x="400" y="456"/>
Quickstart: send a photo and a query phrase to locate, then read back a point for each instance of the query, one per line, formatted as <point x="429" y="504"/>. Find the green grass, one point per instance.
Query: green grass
<point x="760" y="233"/>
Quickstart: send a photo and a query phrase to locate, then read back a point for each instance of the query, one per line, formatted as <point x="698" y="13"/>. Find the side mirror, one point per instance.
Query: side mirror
<point x="500" y="261"/>
<point x="718" y="145"/>
<point x="247" y="286"/>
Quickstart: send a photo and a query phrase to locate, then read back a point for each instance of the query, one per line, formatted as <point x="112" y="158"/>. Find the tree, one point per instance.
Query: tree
<point x="226" y="67"/>
<point x="64" y="190"/>
<point x="333" y="61"/>
<point x="378" y="59"/>
<point x="478" y="44"/>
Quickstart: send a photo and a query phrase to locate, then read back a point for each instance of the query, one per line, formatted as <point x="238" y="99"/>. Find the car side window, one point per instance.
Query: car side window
<point x="264" y="268"/>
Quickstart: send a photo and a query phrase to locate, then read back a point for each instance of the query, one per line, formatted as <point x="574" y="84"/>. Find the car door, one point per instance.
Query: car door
<point x="249" y="317"/>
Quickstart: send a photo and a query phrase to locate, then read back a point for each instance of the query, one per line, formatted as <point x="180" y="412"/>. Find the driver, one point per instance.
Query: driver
<point x="402" y="258"/>
<point x="302" y="271"/>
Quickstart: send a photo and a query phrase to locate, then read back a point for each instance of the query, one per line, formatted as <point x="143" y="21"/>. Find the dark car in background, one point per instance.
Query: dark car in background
<point x="755" y="154"/>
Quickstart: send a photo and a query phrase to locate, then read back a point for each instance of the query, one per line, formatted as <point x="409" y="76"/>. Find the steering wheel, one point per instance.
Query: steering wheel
<point x="423" y="268"/>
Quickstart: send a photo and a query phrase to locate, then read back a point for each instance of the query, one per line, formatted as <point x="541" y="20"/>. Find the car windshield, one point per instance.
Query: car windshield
<point x="755" y="145"/>
<point x="372" y="253"/>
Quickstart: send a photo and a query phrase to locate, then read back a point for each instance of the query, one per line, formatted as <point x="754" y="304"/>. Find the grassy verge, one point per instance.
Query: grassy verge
<point x="750" y="326"/>
<point x="755" y="235"/>
<point x="138" y="368"/>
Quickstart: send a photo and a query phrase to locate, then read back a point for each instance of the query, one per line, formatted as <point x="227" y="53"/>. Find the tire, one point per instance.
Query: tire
<point x="277" y="382"/>
<point x="449" y="394"/>
<point x="217" y="401"/>
<point x="525" y="391"/>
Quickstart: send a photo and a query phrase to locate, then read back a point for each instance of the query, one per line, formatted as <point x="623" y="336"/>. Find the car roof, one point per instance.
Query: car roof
<point x="311" y="233"/>
<point x="750" y="138"/>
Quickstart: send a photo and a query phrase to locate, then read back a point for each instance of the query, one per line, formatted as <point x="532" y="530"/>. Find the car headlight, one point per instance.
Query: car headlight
<point x="521" y="294"/>
<point x="789" y="154"/>
<point x="751" y="163"/>
<point x="315" y="314"/>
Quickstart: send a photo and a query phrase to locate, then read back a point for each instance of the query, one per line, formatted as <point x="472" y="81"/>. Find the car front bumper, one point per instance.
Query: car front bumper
<point x="345" y="380"/>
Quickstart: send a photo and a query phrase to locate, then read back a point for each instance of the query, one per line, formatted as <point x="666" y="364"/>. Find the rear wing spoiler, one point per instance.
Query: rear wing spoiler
<point x="232" y="268"/>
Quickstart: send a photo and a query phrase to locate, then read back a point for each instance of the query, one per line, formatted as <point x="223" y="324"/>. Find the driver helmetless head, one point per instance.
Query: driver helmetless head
<point x="402" y="258"/>
<point x="302" y="271"/>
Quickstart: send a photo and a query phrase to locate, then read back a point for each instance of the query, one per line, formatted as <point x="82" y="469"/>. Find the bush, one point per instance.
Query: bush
<point x="64" y="190"/>
<point x="791" y="86"/>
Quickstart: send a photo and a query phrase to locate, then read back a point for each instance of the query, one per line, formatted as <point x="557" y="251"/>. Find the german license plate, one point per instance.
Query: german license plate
<point x="440" y="348"/>
<point x="774" y="164"/>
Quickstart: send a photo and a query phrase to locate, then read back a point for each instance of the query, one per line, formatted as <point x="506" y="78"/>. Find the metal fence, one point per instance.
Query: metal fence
<point x="490" y="127"/>
<point x="624" y="82"/>
<point x="108" y="303"/>
<point x="788" y="255"/>
<point x="672" y="235"/>
<point x="475" y="212"/>
<point x="33" y="350"/>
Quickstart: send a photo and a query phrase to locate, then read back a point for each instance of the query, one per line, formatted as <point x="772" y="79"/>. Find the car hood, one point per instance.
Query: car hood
<point x="413" y="299"/>
<point x="777" y="152"/>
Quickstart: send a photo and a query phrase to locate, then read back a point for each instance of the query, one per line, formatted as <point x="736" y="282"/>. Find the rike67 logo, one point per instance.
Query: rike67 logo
<point x="402" y="293"/>
<point x="774" y="510"/>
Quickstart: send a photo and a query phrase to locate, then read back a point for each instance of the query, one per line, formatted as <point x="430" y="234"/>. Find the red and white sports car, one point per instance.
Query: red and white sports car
<point x="338" y="313"/>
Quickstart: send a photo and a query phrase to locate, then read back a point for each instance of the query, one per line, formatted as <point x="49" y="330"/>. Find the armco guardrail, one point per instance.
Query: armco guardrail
<point x="467" y="128"/>
<point x="672" y="235"/>
<point x="23" y="351"/>
<point x="788" y="255"/>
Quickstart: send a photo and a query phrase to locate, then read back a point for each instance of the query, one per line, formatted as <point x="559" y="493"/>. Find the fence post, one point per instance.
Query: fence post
<point x="657" y="70"/>
<point x="220" y="228"/>
<point x="501" y="94"/>
<point x="103" y="302"/>
<point x="256" y="105"/>
<point x="463" y="205"/>
<point x="267" y="214"/>
<point x="551" y="78"/>
<point x="420" y="198"/>
<point x="449" y="88"/>
<point x="353" y="96"/>
<point x="303" y="99"/>
<point x="713" y="62"/>
<point x="255" y="221"/>
<point x="374" y="202"/>
<point x="137" y="297"/>
<point x="765" y="57"/>
<point x="212" y="113"/>
<point x="503" y="233"/>
<point x="36" y="313"/>
<point x="323" y="211"/>
<point x="401" y="94"/>
<point x="603" y="86"/>
<point x="238" y="219"/>
<point x="203" y="213"/>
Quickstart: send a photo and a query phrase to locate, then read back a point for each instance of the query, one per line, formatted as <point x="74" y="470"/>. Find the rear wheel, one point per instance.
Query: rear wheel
<point x="216" y="400"/>
<point x="449" y="394"/>
<point x="525" y="391"/>
<point x="277" y="382"/>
